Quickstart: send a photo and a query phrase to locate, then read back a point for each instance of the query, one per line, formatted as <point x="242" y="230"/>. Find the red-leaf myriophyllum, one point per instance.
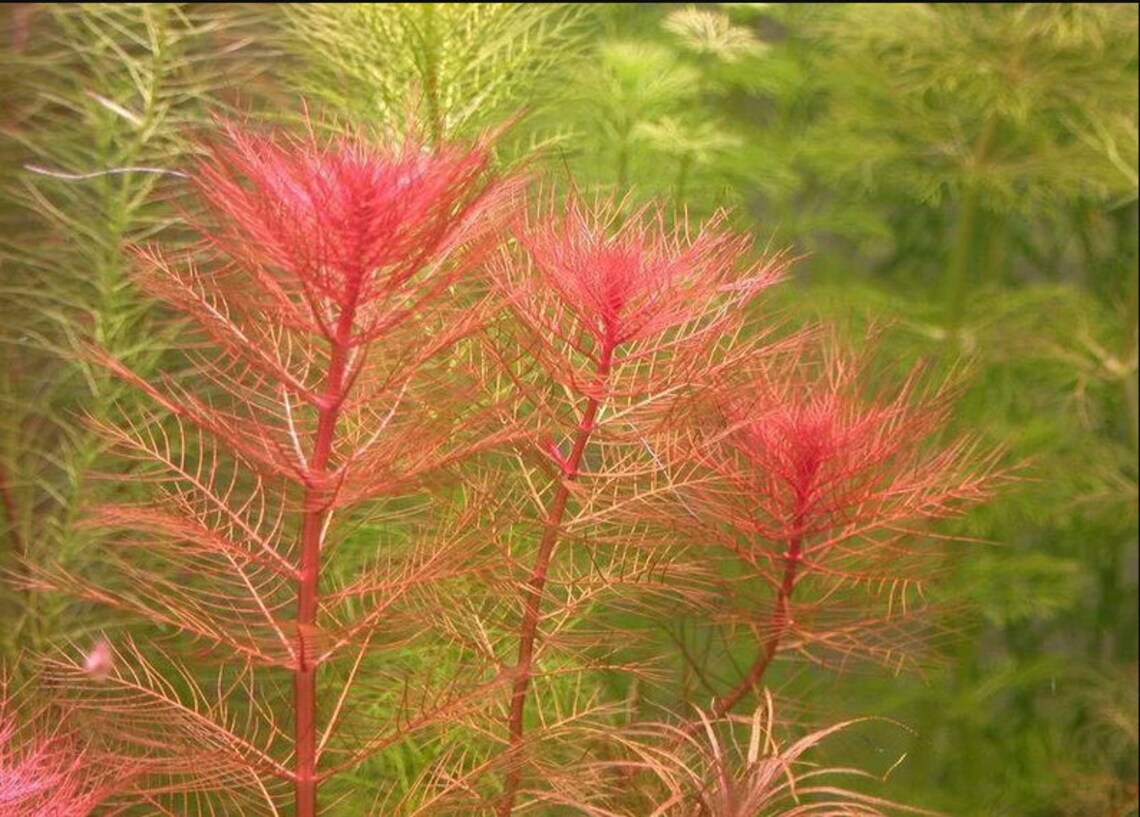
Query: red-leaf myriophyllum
<point x="821" y="490"/>
<point x="613" y="317"/>
<point x="339" y="322"/>
<point x="326" y="295"/>
<point x="46" y="768"/>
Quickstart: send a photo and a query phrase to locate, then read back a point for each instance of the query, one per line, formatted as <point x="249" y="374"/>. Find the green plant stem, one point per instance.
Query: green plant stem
<point x="966" y="233"/>
<point x="109" y="329"/>
<point x="683" y="171"/>
<point x="11" y="514"/>
<point x="12" y="520"/>
<point x="536" y="584"/>
<point x="431" y="75"/>
<point x="959" y="272"/>
<point x="1132" y="400"/>
<point x="621" y="174"/>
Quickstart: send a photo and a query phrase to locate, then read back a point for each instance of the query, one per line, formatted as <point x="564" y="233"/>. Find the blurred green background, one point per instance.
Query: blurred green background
<point x="959" y="179"/>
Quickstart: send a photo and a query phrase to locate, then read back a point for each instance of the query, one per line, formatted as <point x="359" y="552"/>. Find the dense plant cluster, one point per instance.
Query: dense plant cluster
<point x="382" y="343"/>
<point x="453" y="450"/>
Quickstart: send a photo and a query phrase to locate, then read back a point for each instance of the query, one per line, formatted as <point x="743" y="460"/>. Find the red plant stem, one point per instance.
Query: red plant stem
<point x="780" y="620"/>
<point x="537" y="583"/>
<point x="778" y="626"/>
<point x="771" y="644"/>
<point x="315" y="513"/>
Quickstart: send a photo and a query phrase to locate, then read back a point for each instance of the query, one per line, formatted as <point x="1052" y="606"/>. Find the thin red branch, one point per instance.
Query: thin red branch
<point x="778" y="623"/>
<point x="536" y="584"/>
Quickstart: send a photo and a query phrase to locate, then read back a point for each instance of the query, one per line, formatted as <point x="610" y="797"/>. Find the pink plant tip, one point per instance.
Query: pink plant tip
<point x="99" y="661"/>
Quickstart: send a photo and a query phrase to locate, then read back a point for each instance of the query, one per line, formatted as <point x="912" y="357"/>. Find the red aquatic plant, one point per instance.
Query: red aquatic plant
<point x="326" y="300"/>
<point x="614" y="315"/>
<point x="707" y="772"/>
<point x="48" y="768"/>
<point x="825" y="492"/>
<point x="601" y="422"/>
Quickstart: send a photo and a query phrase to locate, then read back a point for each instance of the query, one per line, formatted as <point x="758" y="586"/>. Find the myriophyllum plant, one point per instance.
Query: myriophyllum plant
<point x="814" y="494"/>
<point x="613" y="318"/>
<point x="694" y="458"/>
<point x="325" y="302"/>
<point x="706" y="774"/>
<point x="47" y="768"/>
<point x="414" y="469"/>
